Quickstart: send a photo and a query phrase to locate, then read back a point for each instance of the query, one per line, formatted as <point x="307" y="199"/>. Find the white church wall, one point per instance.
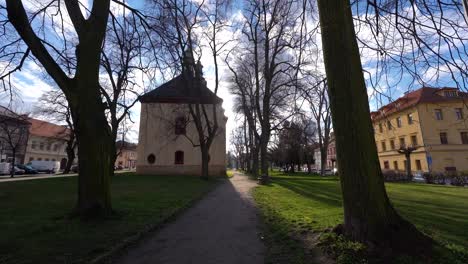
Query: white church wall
<point x="157" y="136"/>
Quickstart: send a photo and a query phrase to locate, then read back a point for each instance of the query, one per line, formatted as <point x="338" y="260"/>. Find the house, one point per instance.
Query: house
<point x="431" y="123"/>
<point x="168" y="138"/>
<point x="47" y="142"/>
<point x="331" y="155"/>
<point x="14" y="134"/>
<point x="126" y="155"/>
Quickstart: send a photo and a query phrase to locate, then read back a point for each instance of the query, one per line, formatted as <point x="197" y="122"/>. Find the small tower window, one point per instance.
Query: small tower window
<point x="151" y="158"/>
<point x="179" y="157"/>
<point x="180" y="125"/>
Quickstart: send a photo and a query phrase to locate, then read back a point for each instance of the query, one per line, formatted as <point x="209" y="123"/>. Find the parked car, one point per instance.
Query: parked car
<point x="45" y="166"/>
<point x="18" y="171"/>
<point x="74" y="168"/>
<point x="5" y="168"/>
<point x="27" y="169"/>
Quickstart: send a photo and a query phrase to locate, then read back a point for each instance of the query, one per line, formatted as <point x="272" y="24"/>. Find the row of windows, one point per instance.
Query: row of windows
<point x="438" y="113"/>
<point x="444" y="138"/>
<point x="399" y="122"/>
<point x="386" y="165"/>
<point x="46" y="159"/>
<point x="401" y="141"/>
<point x="178" y="158"/>
<point x="43" y="146"/>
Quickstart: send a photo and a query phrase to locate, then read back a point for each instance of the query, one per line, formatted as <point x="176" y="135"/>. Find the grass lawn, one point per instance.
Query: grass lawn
<point x="299" y="203"/>
<point x="34" y="227"/>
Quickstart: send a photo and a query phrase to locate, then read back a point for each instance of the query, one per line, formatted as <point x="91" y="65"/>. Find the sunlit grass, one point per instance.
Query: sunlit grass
<point x="298" y="202"/>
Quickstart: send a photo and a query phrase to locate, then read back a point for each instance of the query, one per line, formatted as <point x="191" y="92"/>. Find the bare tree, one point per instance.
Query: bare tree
<point x="73" y="61"/>
<point x="273" y="34"/>
<point x="13" y="135"/>
<point x="66" y="38"/>
<point x="315" y="92"/>
<point x="369" y="216"/>
<point x="182" y="19"/>
<point x="54" y="106"/>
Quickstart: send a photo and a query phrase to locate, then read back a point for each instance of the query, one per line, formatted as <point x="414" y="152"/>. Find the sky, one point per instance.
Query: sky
<point x="31" y="82"/>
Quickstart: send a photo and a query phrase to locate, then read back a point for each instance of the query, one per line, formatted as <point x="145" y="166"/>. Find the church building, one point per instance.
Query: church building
<point x="168" y="139"/>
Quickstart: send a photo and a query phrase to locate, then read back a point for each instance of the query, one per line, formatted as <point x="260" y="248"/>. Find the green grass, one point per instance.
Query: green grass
<point x="298" y="203"/>
<point x="34" y="227"/>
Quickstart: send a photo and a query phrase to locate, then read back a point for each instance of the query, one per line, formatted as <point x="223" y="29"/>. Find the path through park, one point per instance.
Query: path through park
<point x="221" y="228"/>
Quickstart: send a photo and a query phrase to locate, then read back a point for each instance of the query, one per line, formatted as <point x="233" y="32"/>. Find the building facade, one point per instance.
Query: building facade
<point x="126" y="155"/>
<point x="432" y="123"/>
<point x="14" y="134"/>
<point x="168" y="138"/>
<point x="47" y="142"/>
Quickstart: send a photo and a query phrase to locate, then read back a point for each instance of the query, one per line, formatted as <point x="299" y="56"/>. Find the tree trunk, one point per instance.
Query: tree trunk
<point x="254" y="161"/>
<point x="323" y="160"/>
<point x="408" y="166"/>
<point x="368" y="215"/>
<point x="93" y="136"/>
<point x="12" y="169"/>
<point x="205" y="162"/>
<point x="264" y="139"/>
<point x="70" y="149"/>
<point x="71" y="159"/>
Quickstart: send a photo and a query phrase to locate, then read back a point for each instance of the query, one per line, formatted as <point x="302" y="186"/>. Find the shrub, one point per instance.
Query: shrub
<point x="343" y="250"/>
<point x="458" y="180"/>
<point x="440" y="178"/>
<point x="394" y="175"/>
<point x="428" y="177"/>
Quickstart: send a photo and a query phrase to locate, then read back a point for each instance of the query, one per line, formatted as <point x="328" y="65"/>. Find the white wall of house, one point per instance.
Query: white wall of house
<point x="157" y="137"/>
<point x="43" y="148"/>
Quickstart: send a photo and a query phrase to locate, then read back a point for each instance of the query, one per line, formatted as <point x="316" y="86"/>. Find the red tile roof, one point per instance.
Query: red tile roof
<point x="422" y="95"/>
<point x="45" y="129"/>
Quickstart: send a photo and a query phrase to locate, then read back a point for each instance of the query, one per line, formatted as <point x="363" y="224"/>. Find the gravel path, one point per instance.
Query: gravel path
<point x="222" y="228"/>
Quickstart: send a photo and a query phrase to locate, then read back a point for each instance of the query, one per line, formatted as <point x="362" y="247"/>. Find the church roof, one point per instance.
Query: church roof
<point x="182" y="89"/>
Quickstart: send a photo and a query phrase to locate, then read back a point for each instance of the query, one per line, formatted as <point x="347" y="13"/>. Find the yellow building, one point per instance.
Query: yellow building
<point x="430" y="119"/>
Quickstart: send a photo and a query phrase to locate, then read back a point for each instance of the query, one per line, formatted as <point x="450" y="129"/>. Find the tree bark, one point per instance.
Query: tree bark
<point x="264" y="139"/>
<point x="12" y="169"/>
<point x="408" y="165"/>
<point x="323" y="159"/>
<point x="94" y="152"/>
<point x="368" y="215"/>
<point x="70" y="160"/>
<point x="205" y="162"/>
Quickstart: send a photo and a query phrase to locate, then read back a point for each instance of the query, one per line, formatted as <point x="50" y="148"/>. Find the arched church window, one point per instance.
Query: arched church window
<point x="179" y="157"/>
<point x="180" y="125"/>
<point x="151" y="158"/>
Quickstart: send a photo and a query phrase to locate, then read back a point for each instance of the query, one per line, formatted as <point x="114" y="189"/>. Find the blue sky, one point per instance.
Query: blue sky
<point x="30" y="83"/>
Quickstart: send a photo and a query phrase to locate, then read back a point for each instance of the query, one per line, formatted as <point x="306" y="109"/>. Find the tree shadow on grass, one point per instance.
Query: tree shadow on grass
<point x="324" y="192"/>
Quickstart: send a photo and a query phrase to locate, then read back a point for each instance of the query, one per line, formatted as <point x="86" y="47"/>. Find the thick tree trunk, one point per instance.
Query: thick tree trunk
<point x="205" y="162"/>
<point x="323" y="160"/>
<point x="70" y="149"/>
<point x="254" y="161"/>
<point x="368" y="215"/>
<point x="93" y="136"/>
<point x="408" y="166"/>
<point x="264" y="139"/>
<point x="70" y="160"/>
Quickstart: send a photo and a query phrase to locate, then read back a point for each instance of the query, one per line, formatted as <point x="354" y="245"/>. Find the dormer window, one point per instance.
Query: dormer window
<point x="450" y="94"/>
<point x="180" y="125"/>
